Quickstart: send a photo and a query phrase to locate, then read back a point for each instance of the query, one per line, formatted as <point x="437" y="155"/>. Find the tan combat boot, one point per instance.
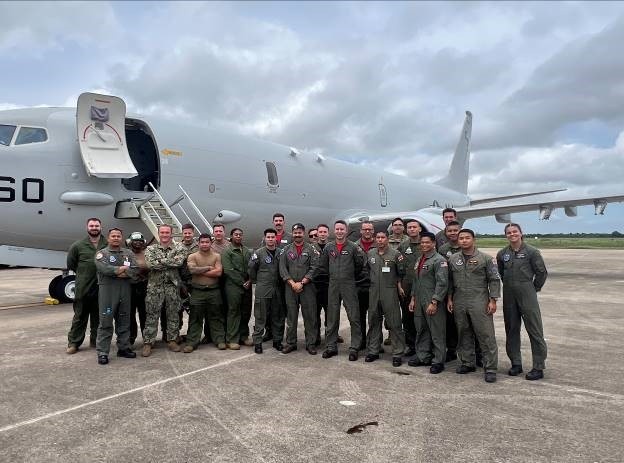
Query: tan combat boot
<point x="221" y="346"/>
<point x="147" y="350"/>
<point x="71" y="349"/>
<point x="188" y="349"/>
<point x="248" y="342"/>
<point x="173" y="346"/>
<point x="233" y="346"/>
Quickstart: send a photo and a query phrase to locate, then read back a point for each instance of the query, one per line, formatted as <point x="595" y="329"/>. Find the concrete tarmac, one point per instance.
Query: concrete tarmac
<point x="238" y="406"/>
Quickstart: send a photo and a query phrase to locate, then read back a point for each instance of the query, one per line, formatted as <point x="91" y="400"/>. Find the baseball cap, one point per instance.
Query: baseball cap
<point x="298" y="226"/>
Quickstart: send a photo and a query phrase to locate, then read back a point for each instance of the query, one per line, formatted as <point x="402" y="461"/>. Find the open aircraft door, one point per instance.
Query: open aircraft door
<point x="100" y="120"/>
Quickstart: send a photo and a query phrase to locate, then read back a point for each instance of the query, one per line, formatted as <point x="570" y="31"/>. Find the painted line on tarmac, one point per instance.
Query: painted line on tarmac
<point x="580" y="390"/>
<point x="121" y="394"/>
<point x="24" y="306"/>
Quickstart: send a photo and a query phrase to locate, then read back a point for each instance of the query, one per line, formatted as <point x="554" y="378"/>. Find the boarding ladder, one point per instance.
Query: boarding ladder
<point x="156" y="211"/>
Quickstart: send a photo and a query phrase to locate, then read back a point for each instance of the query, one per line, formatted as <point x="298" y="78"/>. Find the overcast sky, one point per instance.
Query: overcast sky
<point x="386" y="84"/>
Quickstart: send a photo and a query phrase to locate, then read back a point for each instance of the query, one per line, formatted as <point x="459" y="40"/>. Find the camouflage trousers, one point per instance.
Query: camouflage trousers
<point x="157" y="296"/>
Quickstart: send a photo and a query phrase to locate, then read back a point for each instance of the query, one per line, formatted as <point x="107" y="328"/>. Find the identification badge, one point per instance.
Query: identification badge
<point x="520" y="255"/>
<point x="385" y="269"/>
<point x="283" y="241"/>
<point x="126" y="263"/>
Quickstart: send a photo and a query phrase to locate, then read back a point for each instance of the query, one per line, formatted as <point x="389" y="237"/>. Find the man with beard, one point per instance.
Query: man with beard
<point x="80" y="260"/>
<point x="298" y="264"/>
<point x="139" y="285"/>
<point x="164" y="260"/>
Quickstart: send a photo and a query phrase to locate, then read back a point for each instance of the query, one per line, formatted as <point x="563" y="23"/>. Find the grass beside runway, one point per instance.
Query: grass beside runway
<point x="558" y="243"/>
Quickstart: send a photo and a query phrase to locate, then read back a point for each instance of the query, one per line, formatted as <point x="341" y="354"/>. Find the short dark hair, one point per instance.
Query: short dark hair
<point x="218" y="225"/>
<point x="398" y="218"/>
<point x="341" y="222"/>
<point x="453" y="222"/>
<point x="115" y="229"/>
<point x="408" y="221"/>
<point x="429" y="235"/>
<point x="188" y="226"/>
<point x="449" y="209"/>
<point x="94" y="219"/>
<point x="367" y="222"/>
<point x="322" y="225"/>
<point x="467" y="230"/>
<point x="204" y="236"/>
<point x="279" y="214"/>
<point x="270" y="230"/>
<point x="385" y="232"/>
<point x="234" y="230"/>
<point x="509" y="225"/>
<point x="165" y="225"/>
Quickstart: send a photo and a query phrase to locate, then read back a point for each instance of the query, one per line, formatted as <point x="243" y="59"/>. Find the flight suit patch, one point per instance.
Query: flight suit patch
<point x="292" y="255"/>
<point x="332" y="253"/>
<point x="520" y="255"/>
<point x="408" y="251"/>
<point x="506" y="257"/>
<point x="345" y="253"/>
<point x="473" y="262"/>
<point x="112" y="259"/>
<point x="372" y="260"/>
<point x="459" y="262"/>
<point x="99" y="255"/>
<point x="443" y="264"/>
<point x="268" y="259"/>
<point x="400" y="258"/>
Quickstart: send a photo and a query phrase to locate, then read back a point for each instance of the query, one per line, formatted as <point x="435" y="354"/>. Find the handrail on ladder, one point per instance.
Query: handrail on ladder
<point x="196" y="209"/>
<point x="165" y="206"/>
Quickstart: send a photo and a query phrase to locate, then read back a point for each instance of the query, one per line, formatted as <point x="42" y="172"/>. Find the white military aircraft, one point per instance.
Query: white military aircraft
<point x="64" y="165"/>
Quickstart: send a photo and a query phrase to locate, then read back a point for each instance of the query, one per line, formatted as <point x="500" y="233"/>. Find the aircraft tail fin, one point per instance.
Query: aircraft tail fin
<point x="457" y="177"/>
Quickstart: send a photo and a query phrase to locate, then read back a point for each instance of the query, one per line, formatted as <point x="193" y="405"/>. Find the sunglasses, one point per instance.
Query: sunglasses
<point x="312" y="236"/>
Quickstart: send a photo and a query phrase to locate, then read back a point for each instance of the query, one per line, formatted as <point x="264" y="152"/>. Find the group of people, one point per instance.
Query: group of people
<point x="435" y="294"/>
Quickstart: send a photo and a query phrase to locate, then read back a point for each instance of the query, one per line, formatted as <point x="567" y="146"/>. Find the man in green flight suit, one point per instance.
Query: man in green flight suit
<point x="299" y="263"/>
<point x="235" y="262"/>
<point x="523" y="273"/>
<point x="449" y="248"/>
<point x="474" y="287"/>
<point x="80" y="260"/>
<point x="264" y="272"/>
<point x="116" y="268"/>
<point x="164" y="260"/>
<point x="343" y="261"/>
<point x="428" y="294"/>
<point x="386" y="270"/>
<point x="410" y="249"/>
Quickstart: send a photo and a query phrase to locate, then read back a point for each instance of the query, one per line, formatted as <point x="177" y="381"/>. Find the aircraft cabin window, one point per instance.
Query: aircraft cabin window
<point x="272" y="174"/>
<point x="6" y="134"/>
<point x="28" y="135"/>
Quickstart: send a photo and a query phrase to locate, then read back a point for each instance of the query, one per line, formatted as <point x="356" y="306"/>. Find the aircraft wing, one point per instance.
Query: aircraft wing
<point x="502" y="209"/>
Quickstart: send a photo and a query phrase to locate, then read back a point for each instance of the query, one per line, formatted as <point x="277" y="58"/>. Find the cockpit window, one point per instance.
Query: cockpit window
<point x="31" y="135"/>
<point x="6" y="134"/>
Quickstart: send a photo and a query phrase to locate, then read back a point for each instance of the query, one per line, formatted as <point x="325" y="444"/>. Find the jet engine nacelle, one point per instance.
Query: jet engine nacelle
<point x="570" y="211"/>
<point x="225" y="217"/>
<point x="599" y="206"/>
<point x="544" y="212"/>
<point x="503" y="218"/>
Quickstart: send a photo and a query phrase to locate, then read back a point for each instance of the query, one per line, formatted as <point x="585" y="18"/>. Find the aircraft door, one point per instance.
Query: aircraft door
<point x="100" y="121"/>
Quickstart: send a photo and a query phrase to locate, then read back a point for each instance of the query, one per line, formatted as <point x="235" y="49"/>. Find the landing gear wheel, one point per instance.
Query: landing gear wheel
<point x="53" y="287"/>
<point x="66" y="288"/>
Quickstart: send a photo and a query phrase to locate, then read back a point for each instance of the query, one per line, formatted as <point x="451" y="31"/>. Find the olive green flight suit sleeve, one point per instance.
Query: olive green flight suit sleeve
<point x="441" y="278"/>
<point x="72" y="258"/>
<point x="537" y="263"/>
<point x="283" y="265"/>
<point x="501" y="263"/>
<point x="314" y="263"/>
<point x="493" y="278"/>
<point x="252" y="267"/>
